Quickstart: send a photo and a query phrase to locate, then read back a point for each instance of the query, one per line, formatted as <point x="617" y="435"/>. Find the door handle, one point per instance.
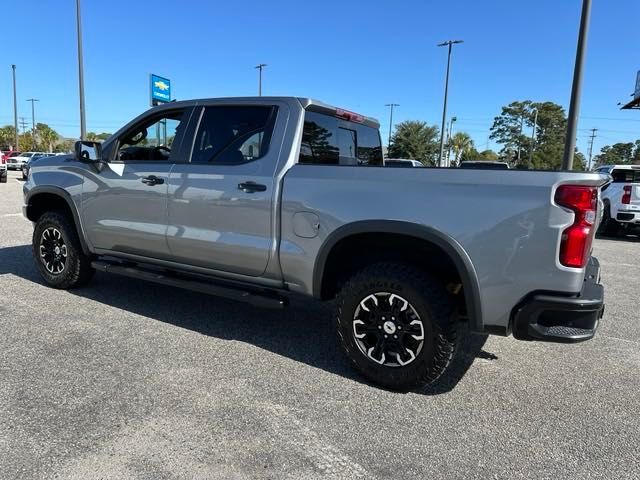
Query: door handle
<point x="250" y="187"/>
<point x="152" y="180"/>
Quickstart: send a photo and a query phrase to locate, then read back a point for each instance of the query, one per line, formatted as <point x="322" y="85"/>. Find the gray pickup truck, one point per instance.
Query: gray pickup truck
<point x="259" y="199"/>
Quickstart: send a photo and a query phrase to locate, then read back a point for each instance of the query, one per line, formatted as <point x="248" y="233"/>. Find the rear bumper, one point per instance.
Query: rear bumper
<point x="628" y="217"/>
<point x="550" y="317"/>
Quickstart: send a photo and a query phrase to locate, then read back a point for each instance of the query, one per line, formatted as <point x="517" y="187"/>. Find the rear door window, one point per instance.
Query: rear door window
<point x="233" y="135"/>
<point x="327" y="140"/>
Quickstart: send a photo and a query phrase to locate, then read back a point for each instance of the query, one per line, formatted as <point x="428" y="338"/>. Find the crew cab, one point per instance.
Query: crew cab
<point x="261" y="198"/>
<point x="621" y="198"/>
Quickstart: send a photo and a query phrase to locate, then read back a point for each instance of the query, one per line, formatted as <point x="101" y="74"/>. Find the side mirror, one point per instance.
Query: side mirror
<point x="88" y="152"/>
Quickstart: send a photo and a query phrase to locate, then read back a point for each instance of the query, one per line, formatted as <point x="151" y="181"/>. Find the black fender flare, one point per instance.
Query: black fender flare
<point x="64" y="195"/>
<point x="448" y="244"/>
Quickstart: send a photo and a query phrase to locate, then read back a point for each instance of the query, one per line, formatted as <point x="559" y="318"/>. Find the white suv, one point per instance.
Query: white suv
<point x="621" y="198"/>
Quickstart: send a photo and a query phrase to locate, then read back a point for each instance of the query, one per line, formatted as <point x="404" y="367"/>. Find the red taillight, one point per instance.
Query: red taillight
<point x="626" y="196"/>
<point x="350" y="116"/>
<point x="575" y="244"/>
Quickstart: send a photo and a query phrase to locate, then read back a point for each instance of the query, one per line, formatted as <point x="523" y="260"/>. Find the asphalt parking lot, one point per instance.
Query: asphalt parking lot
<point x="125" y="379"/>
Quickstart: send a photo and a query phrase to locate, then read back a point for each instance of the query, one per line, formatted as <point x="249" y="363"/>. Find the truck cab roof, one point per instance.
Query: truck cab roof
<point x="306" y="103"/>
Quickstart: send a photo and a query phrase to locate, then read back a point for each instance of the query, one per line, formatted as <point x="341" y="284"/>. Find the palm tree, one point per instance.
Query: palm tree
<point x="47" y="136"/>
<point x="461" y="142"/>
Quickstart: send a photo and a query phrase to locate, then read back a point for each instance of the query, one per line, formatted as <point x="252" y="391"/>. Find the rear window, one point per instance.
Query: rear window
<point x="625" y="176"/>
<point x="328" y="140"/>
<point x="486" y="166"/>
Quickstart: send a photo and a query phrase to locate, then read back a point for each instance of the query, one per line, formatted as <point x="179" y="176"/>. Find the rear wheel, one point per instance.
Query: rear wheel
<point x="395" y="325"/>
<point x="58" y="254"/>
<point x="609" y="227"/>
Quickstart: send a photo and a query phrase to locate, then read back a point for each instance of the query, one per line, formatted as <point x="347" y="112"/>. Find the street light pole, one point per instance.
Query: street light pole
<point x="83" y="124"/>
<point x="533" y="137"/>
<point x="451" y="120"/>
<point x="15" y="108"/>
<point x="520" y="140"/>
<point x="390" y="120"/>
<point x="260" y="66"/>
<point x="448" y="43"/>
<point x="576" y="89"/>
<point x="33" y="113"/>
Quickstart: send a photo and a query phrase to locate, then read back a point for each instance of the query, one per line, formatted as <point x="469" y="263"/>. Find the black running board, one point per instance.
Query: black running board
<point x="256" y="298"/>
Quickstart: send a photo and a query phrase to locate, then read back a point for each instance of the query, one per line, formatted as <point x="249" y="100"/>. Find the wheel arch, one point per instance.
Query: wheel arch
<point x="40" y="200"/>
<point x="414" y="233"/>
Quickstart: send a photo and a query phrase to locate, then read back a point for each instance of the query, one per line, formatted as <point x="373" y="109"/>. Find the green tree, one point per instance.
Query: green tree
<point x="46" y="136"/>
<point x="508" y="129"/>
<point x="27" y="142"/>
<point x="618" y="153"/>
<point x="415" y="140"/>
<point x="489" y="155"/>
<point x="461" y="143"/>
<point x="548" y="146"/>
<point x="7" y="136"/>
<point x="65" y="145"/>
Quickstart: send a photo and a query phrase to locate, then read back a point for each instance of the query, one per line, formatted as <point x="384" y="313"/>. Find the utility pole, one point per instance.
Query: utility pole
<point x="23" y="124"/>
<point x="448" y="43"/>
<point x="15" y="109"/>
<point x="576" y="89"/>
<point x="390" y="121"/>
<point x="533" y="137"/>
<point x="260" y="66"/>
<point x="83" y="123"/>
<point x="33" y="113"/>
<point x="520" y="139"/>
<point x="591" y="139"/>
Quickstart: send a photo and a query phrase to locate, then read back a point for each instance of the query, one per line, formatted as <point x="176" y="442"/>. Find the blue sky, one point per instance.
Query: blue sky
<point x="357" y="55"/>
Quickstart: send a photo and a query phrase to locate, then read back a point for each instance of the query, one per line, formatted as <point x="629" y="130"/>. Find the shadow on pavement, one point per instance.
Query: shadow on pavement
<point x="633" y="236"/>
<point x="303" y="332"/>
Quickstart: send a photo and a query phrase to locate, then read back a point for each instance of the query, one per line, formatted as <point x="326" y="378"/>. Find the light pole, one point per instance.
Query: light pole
<point x="33" y="113"/>
<point x="576" y="89"/>
<point x="83" y="124"/>
<point x="520" y="140"/>
<point x="453" y="119"/>
<point x="15" y="109"/>
<point x="260" y="66"/>
<point x="533" y="137"/>
<point x="448" y="43"/>
<point x="390" y="121"/>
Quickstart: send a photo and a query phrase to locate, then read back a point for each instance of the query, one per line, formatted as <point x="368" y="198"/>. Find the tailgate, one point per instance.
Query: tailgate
<point x="635" y="193"/>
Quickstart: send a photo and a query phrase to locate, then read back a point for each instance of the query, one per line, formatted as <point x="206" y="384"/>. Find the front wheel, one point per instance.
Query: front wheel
<point x="58" y="254"/>
<point x="395" y="325"/>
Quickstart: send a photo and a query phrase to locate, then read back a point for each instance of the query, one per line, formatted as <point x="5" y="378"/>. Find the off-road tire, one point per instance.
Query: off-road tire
<point x="428" y="297"/>
<point x="77" y="268"/>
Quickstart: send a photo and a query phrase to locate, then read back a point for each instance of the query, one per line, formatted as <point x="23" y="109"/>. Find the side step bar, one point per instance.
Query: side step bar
<point x="256" y="298"/>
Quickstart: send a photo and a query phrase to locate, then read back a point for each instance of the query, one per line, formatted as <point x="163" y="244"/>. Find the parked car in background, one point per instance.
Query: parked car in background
<point x="3" y="169"/>
<point x="10" y="157"/>
<point x="26" y="166"/>
<point x="484" y="164"/>
<point x="15" y="162"/>
<point x="402" y="162"/>
<point x="621" y="198"/>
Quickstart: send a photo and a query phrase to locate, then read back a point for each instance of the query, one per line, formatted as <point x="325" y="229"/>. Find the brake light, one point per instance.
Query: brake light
<point x="626" y="196"/>
<point x="575" y="244"/>
<point x="349" y="116"/>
